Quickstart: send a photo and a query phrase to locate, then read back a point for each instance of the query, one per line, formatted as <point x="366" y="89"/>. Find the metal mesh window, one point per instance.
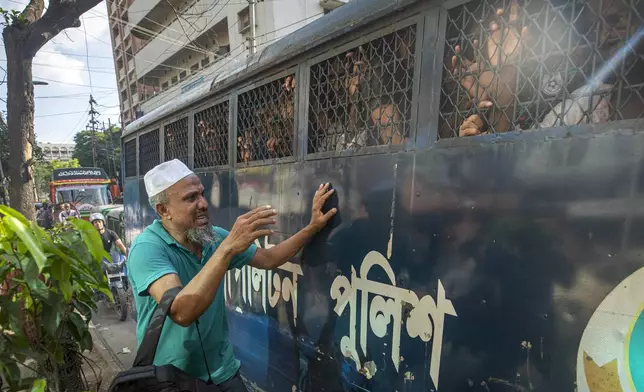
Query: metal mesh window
<point x="265" y="121"/>
<point x="363" y="97"/>
<point x="540" y="64"/>
<point x="149" y="151"/>
<point x="211" y="136"/>
<point x="130" y="158"/>
<point x="176" y="140"/>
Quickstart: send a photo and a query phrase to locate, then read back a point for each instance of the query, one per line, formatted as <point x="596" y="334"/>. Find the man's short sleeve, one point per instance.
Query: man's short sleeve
<point x="115" y="237"/>
<point x="241" y="259"/>
<point x="148" y="261"/>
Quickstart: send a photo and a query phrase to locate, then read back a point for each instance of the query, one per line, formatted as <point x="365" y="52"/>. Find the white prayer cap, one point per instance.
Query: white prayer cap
<point x="163" y="176"/>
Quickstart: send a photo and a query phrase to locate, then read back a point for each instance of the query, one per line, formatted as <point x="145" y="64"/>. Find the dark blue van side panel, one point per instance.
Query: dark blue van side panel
<point x="508" y="266"/>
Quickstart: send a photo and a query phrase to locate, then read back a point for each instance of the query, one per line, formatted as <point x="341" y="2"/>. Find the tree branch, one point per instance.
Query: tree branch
<point x="60" y="15"/>
<point x="33" y="11"/>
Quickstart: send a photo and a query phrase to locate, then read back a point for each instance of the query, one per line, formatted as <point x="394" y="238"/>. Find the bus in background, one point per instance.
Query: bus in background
<point x="86" y="189"/>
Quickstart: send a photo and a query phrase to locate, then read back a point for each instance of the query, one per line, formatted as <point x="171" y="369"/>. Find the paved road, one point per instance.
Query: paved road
<point x="119" y="337"/>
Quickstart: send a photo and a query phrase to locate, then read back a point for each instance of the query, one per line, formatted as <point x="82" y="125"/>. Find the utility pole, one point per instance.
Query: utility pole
<point x="253" y="25"/>
<point x="109" y="151"/>
<point x="93" y="122"/>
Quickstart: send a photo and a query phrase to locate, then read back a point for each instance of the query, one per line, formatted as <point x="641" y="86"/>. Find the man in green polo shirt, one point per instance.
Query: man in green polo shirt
<point x="181" y="248"/>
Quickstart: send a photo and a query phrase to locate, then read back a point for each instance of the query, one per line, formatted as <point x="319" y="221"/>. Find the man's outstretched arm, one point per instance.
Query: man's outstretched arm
<point x="193" y="299"/>
<point x="286" y="250"/>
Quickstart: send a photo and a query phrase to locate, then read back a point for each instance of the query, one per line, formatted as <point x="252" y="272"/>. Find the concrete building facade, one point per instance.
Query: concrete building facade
<point x="165" y="48"/>
<point x="57" y="151"/>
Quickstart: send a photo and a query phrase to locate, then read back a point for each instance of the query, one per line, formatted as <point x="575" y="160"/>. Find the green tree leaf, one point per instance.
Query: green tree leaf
<point x="66" y="289"/>
<point x="8" y="211"/>
<point x="91" y="237"/>
<point x="84" y="308"/>
<point x="86" y="341"/>
<point x="60" y="270"/>
<point x="52" y="315"/>
<point x="11" y="371"/>
<point x="78" y="321"/>
<point x="18" y="227"/>
<point x="39" y="385"/>
<point x="50" y="293"/>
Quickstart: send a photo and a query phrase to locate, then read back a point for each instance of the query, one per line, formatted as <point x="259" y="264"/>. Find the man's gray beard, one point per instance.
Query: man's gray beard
<point x="201" y="235"/>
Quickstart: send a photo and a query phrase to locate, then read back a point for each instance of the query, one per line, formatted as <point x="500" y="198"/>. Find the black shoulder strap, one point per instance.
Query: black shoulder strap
<point x="148" y="348"/>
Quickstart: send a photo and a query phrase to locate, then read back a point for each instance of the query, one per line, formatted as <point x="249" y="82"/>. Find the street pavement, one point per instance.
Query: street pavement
<point x="118" y="337"/>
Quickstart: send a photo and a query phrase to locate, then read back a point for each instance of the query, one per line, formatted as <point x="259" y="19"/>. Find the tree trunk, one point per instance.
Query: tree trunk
<point x="20" y="121"/>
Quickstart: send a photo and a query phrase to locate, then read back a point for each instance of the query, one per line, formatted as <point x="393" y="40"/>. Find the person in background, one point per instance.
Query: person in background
<point x="67" y="212"/>
<point x="45" y="216"/>
<point x="109" y="237"/>
<point x="182" y="249"/>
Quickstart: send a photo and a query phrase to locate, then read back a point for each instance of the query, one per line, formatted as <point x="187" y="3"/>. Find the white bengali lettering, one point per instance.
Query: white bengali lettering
<point x="425" y="320"/>
<point x="79" y="173"/>
<point x="270" y="284"/>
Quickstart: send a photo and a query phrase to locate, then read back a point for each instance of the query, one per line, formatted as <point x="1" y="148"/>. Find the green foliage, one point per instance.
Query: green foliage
<point x="108" y="149"/>
<point x="43" y="171"/>
<point x="48" y="281"/>
<point x="12" y="16"/>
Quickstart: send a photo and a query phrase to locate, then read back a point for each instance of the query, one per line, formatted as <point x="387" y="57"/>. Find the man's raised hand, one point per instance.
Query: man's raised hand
<point x="248" y="228"/>
<point x="318" y="218"/>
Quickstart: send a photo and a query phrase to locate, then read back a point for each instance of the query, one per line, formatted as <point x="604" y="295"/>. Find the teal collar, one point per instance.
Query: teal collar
<point x="157" y="228"/>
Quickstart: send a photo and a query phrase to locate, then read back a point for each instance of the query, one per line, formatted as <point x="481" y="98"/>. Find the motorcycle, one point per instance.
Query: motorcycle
<point x="118" y="283"/>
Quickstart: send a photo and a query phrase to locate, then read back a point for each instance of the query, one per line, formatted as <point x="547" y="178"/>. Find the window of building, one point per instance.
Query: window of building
<point x="174" y="80"/>
<point x="244" y="19"/>
<point x="182" y="75"/>
<point x="205" y="62"/>
<point x="194" y="68"/>
<point x="223" y="50"/>
<point x="164" y="86"/>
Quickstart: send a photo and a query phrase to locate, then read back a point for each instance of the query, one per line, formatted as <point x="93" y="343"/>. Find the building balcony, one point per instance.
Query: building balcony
<point x="332" y="4"/>
<point x="174" y="36"/>
<point x="138" y="10"/>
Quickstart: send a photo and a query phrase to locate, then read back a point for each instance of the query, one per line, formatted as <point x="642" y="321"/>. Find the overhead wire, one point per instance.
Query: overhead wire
<point x="165" y="38"/>
<point x="123" y="51"/>
<point x="225" y="62"/>
<point x="187" y="36"/>
<point x="179" y="17"/>
<point x="235" y="3"/>
<point x="82" y="120"/>
<point x="70" y="54"/>
<point x="162" y="37"/>
<point x="57" y="114"/>
<point x="151" y="33"/>
<point x="89" y="72"/>
<point x="72" y="84"/>
<point x="151" y="62"/>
